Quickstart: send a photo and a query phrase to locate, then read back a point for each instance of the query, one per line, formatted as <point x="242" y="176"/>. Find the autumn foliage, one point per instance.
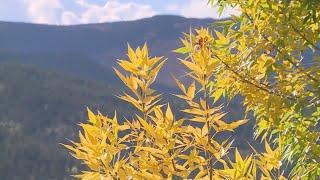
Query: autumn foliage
<point x="260" y="56"/>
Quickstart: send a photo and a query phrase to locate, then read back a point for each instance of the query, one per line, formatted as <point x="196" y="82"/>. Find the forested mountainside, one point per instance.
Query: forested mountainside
<point x="96" y="46"/>
<point x="38" y="110"/>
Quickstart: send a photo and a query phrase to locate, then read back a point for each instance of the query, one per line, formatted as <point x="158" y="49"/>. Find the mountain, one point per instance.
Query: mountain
<point x="38" y="110"/>
<point x="96" y="46"/>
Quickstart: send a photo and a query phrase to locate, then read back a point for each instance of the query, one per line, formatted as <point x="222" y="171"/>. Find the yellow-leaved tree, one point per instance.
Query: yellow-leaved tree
<point x="269" y="54"/>
<point x="259" y="55"/>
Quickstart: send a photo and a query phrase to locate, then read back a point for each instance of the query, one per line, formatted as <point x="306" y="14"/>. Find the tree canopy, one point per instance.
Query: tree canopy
<point x="259" y="55"/>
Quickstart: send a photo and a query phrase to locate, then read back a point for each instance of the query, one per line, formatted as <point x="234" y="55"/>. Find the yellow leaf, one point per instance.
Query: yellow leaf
<point x="147" y="126"/>
<point x="193" y="67"/>
<point x="154" y="72"/>
<point x="191" y="90"/>
<point x="180" y="85"/>
<point x="169" y="114"/>
<point x="198" y="119"/>
<point x="236" y="124"/>
<point x="217" y="94"/>
<point x="238" y="157"/>
<point x="268" y="148"/>
<point x="131" y="100"/>
<point x="150" y="149"/>
<point x="145" y="53"/>
<point x="194" y="111"/>
<point x="221" y="38"/>
<point x="203" y="103"/>
<point x="92" y="117"/>
<point x="123" y="127"/>
<point x="121" y="76"/>
<point x="127" y="66"/>
<point x="69" y="147"/>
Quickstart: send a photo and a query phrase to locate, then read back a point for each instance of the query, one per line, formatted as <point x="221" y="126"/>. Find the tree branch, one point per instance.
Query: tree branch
<point x="304" y="37"/>
<point x="278" y="51"/>
<point x="245" y="80"/>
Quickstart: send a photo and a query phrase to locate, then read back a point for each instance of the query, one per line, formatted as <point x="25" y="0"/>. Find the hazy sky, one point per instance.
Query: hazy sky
<point x="66" y="12"/>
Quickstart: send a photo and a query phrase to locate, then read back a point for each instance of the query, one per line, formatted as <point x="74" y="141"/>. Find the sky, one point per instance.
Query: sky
<point x="69" y="12"/>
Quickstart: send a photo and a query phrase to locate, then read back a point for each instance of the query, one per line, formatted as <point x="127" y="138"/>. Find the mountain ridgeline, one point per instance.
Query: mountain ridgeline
<point x="90" y="51"/>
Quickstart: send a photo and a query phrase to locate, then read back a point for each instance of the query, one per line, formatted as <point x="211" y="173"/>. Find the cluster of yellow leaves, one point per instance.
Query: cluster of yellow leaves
<point x="260" y="56"/>
<point x="155" y="145"/>
<point x="249" y="167"/>
<point x="269" y="55"/>
<point x="142" y="72"/>
<point x="203" y="64"/>
<point x="101" y="147"/>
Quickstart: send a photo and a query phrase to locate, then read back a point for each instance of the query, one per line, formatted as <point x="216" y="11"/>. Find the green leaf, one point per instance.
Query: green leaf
<point x="217" y="94"/>
<point x="182" y="50"/>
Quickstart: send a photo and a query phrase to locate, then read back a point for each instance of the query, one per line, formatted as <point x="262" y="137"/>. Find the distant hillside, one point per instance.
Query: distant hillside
<point x="75" y="64"/>
<point x="40" y="109"/>
<point x="59" y="47"/>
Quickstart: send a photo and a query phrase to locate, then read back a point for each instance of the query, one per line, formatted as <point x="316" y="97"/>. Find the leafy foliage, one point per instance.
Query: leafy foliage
<point x="154" y="144"/>
<point x="262" y="56"/>
<point x="259" y="55"/>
